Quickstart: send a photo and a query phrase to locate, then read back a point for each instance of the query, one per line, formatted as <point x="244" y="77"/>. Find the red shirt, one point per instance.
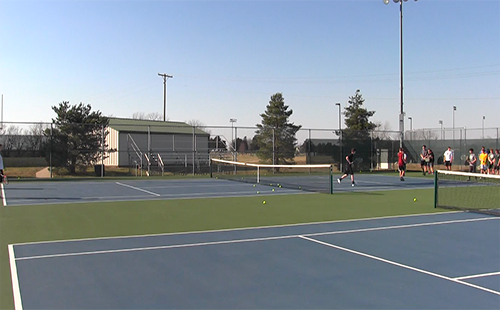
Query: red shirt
<point x="401" y="158"/>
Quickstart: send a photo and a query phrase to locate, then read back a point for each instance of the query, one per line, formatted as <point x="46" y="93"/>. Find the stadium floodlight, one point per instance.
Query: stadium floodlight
<point x="401" y="114"/>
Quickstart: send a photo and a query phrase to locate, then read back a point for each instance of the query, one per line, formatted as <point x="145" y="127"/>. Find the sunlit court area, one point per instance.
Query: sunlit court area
<point x="250" y="154"/>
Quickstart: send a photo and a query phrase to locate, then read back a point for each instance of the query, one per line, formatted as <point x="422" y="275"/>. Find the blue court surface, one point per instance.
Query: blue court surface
<point x="31" y="193"/>
<point x="434" y="261"/>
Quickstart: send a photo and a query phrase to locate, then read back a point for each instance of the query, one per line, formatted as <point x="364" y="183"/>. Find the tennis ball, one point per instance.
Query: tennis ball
<point x="414" y="199"/>
<point x="254" y="185"/>
<point x="264" y="202"/>
<point x="273" y="189"/>
<point x="258" y="192"/>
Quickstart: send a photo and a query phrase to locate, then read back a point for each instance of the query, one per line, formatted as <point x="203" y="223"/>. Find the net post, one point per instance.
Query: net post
<point x="210" y="166"/>
<point x="331" y="179"/>
<point x="435" y="189"/>
<point x="258" y="174"/>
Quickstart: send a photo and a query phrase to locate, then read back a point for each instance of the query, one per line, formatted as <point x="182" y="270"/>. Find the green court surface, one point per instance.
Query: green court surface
<point x="87" y="220"/>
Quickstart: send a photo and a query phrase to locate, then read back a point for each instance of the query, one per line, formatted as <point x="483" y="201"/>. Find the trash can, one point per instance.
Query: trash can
<point x="97" y="169"/>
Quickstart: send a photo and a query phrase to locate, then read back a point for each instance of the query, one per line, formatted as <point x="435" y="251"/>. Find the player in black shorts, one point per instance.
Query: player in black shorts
<point x="348" y="169"/>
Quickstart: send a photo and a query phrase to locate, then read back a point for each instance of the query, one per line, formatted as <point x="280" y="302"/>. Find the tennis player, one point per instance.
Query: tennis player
<point x="497" y="159"/>
<point x="472" y="159"/>
<point x="483" y="159"/>
<point x="3" y="177"/>
<point x="401" y="164"/>
<point x="491" y="162"/>
<point x="423" y="157"/>
<point x="448" y="158"/>
<point x="349" y="169"/>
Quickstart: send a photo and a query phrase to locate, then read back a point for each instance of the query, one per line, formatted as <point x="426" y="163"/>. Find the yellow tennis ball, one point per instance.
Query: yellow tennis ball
<point x="414" y="199"/>
<point x="258" y="192"/>
<point x="254" y="185"/>
<point x="273" y="189"/>
<point x="264" y="202"/>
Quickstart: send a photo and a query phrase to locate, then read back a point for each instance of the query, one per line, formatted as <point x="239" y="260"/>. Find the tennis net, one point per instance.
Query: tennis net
<point x="467" y="191"/>
<point x="316" y="178"/>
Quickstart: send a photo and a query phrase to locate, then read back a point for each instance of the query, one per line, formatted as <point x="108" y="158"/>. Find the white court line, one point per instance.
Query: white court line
<point x="252" y="239"/>
<point x="478" y="275"/>
<point x="165" y="197"/>
<point x="244" y="228"/>
<point x="401" y="265"/>
<point x="137" y="188"/>
<point x="16" y="292"/>
<point x="4" y="199"/>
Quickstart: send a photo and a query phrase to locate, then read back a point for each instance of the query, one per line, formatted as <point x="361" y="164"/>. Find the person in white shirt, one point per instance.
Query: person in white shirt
<point x="448" y="158"/>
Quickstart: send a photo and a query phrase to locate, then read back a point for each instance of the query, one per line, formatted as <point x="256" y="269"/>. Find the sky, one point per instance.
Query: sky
<point x="228" y="57"/>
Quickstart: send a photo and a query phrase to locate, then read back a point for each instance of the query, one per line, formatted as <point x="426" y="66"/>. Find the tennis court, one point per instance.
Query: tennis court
<point x="369" y="246"/>
<point x="28" y="193"/>
<point x="424" y="261"/>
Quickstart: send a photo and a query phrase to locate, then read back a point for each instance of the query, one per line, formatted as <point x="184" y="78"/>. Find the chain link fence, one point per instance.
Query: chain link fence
<point x="148" y="148"/>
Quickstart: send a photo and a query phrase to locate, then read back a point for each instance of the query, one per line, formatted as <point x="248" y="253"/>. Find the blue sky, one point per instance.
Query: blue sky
<point x="229" y="57"/>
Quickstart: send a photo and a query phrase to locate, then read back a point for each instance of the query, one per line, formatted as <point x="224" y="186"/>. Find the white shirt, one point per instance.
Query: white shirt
<point x="448" y="155"/>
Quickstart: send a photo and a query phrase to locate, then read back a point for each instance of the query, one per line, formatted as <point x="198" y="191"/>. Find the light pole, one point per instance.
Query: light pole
<point x="484" y="117"/>
<point x="340" y="136"/>
<point x="401" y="114"/>
<point x="165" y="77"/>
<point x="454" y="109"/>
<point x="411" y="127"/>
<point x="441" y="123"/>
<point x="233" y="120"/>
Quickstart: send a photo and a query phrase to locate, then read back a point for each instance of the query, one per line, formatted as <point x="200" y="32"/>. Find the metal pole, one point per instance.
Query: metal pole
<point x="165" y="77"/>
<point x="194" y="147"/>
<point x="149" y="151"/>
<point x="235" y="144"/>
<point x="273" y="150"/>
<point x="50" y="154"/>
<point x="308" y="155"/>
<point x="454" y="109"/>
<point x="401" y="116"/>
<point x="483" y="126"/>
<point x="102" y="153"/>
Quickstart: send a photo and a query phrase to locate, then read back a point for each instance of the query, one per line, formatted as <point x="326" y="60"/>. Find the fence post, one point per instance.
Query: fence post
<point x="102" y="152"/>
<point x="273" y="148"/>
<point x="497" y="140"/>
<point x="235" y="144"/>
<point x="50" y="151"/>
<point x="149" y="150"/>
<point x="194" y="148"/>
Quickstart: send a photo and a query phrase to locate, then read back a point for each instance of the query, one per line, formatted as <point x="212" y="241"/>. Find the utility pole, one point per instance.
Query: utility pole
<point x="165" y="77"/>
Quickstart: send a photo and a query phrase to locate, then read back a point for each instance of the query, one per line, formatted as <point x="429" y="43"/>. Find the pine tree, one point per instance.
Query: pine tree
<point x="276" y="135"/>
<point x="357" y="119"/>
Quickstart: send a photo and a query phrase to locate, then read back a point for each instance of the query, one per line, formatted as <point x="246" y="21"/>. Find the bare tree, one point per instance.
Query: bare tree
<point x="384" y="131"/>
<point x="424" y="134"/>
<point x="153" y="116"/>
<point x="15" y="140"/>
<point x="35" y="139"/>
<point x="198" y="124"/>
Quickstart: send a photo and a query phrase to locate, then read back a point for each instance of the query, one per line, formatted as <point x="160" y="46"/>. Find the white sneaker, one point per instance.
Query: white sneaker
<point x="338" y="181"/>
<point x="353" y="184"/>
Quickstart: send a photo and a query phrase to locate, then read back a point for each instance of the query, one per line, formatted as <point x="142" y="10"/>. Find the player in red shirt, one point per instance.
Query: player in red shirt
<point x="401" y="164"/>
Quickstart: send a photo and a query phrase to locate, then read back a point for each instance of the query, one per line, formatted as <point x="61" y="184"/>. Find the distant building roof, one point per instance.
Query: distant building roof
<point x="140" y="125"/>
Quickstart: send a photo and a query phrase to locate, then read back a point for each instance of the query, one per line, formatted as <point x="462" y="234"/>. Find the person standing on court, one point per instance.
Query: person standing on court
<point x="3" y="178"/>
<point x="472" y="159"/>
<point x="349" y="169"/>
<point x="401" y="164"/>
<point x="448" y="158"/>
<point x="423" y="156"/>
<point x="430" y="161"/>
